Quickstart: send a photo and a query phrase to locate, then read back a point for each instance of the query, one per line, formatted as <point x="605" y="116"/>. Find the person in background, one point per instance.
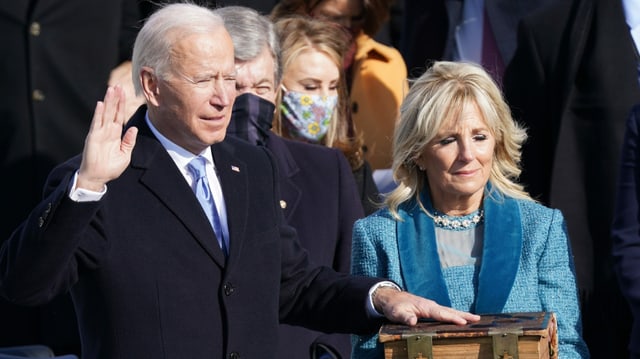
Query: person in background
<point x="572" y="83"/>
<point x="59" y="58"/>
<point x="626" y="226"/>
<point x="170" y="236"/>
<point x="376" y="75"/>
<point x="312" y="95"/>
<point x="459" y="229"/>
<point x="316" y="181"/>
<point x="479" y="31"/>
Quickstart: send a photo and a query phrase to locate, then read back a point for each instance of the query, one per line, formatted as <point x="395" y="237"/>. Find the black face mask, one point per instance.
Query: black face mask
<point x="251" y="118"/>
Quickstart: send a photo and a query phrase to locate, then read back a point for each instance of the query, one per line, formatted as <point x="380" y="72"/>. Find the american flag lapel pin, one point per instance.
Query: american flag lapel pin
<point x="235" y="169"/>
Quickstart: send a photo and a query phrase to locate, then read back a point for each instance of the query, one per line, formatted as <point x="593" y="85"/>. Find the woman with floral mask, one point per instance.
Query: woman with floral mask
<point x="376" y="74"/>
<point x="312" y="99"/>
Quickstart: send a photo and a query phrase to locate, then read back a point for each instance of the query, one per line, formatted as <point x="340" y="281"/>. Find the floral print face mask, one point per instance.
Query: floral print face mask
<point x="307" y="116"/>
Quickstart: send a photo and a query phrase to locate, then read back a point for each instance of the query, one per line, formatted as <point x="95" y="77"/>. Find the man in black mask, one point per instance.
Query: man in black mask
<point x="319" y="193"/>
<point x="252" y="115"/>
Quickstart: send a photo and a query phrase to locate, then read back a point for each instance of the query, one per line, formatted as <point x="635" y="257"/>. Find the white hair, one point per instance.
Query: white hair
<point x="251" y="32"/>
<point x="153" y="46"/>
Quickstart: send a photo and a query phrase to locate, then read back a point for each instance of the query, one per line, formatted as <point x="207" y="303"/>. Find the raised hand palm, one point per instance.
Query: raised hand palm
<point x="106" y="152"/>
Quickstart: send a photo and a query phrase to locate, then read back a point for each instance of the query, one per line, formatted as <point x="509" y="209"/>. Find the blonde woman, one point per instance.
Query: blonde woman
<point x="376" y="73"/>
<point x="311" y="103"/>
<point x="459" y="229"/>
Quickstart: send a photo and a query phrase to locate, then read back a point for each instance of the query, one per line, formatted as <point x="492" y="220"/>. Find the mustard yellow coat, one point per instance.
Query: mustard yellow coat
<point x="378" y="88"/>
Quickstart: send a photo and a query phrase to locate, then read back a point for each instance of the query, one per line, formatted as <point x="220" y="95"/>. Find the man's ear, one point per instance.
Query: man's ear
<point x="150" y="85"/>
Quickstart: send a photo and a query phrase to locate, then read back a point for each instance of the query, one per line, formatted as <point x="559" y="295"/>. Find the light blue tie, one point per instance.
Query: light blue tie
<point x="203" y="193"/>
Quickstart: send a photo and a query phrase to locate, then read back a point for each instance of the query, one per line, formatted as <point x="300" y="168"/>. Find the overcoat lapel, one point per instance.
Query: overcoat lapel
<point x="420" y="263"/>
<point x="234" y="181"/>
<point x="161" y="176"/>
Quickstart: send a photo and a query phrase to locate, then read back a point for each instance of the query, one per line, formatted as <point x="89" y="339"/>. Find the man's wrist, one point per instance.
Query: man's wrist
<point x="84" y="195"/>
<point x="372" y="295"/>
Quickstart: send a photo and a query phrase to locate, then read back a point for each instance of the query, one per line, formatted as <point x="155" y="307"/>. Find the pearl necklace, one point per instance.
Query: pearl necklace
<point x="456" y="223"/>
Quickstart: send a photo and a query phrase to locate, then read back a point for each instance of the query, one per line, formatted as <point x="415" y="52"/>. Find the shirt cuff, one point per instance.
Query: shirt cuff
<point x="84" y="195"/>
<point x="370" y="307"/>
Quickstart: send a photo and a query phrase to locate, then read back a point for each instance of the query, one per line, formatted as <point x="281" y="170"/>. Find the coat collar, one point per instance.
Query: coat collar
<point x="235" y="183"/>
<point x="420" y="264"/>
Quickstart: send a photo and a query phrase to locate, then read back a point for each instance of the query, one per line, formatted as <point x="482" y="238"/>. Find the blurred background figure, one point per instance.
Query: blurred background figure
<point x="480" y="31"/>
<point x="59" y="57"/>
<point x="572" y="83"/>
<point x="319" y="194"/>
<point x="459" y="229"/>
<point x="312" y="100"/>
<point x="376" y="74"/>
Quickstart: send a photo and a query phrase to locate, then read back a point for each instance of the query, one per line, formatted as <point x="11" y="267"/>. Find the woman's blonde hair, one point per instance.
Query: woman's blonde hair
<point x="298" y="34"/>
<point x="438" y="96"/>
